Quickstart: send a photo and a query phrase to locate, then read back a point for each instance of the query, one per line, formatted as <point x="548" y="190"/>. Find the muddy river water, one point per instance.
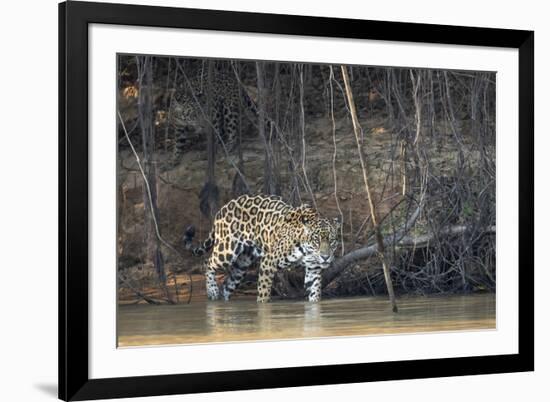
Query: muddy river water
<point x="244" y="320"/>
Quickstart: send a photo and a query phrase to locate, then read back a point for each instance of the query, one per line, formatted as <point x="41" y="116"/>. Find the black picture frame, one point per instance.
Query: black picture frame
<point x="74" y="381"/>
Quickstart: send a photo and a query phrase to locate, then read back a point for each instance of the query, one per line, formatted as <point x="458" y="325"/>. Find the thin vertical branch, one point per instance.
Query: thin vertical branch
<point x="170" y="103"/>
<point x="364" y="168"/>
<point x="303" y="131"/>
<point x="268" y="161"/>
<point x="417" y="103"/>
<point x="335" y="178"/>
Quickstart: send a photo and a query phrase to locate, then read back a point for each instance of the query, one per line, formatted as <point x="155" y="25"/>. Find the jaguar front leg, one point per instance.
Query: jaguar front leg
<point x="312" y="283"/>
<point x="212" y="290"/>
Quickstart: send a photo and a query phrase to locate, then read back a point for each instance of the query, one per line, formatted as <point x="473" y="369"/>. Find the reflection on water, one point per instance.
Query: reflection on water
<point x="242" y="320"/>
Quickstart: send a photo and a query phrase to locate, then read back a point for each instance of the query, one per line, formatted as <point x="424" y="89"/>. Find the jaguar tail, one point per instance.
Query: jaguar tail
<point x="201" y="248"/>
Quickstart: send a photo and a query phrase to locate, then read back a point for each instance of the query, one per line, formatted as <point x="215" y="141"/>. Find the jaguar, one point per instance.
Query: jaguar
<point x="189" y="112"/>
<point x="266" y="230"/>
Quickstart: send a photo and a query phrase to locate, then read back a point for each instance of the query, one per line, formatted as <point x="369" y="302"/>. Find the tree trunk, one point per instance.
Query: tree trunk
<point x="145" y="106"/>
<point x="239" y="187"/>
<point x="269" y="185"/>
<point x="209" y="193"/>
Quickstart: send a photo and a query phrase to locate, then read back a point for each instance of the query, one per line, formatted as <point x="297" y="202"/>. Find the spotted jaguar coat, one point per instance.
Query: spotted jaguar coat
<point x="263" y="228"/>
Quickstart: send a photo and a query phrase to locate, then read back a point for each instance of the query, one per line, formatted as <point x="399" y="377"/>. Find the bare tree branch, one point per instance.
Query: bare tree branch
<point x="148" y="188"/>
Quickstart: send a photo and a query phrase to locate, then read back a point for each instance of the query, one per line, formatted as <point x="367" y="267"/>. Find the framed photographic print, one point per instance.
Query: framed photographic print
<point x="257" y="200"/>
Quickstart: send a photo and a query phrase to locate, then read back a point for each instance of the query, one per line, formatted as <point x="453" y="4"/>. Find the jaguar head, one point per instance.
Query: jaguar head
<point x="318" y="236"/>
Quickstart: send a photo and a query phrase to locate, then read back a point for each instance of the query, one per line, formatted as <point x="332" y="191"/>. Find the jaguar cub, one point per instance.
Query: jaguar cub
<point x="189" y="111"/>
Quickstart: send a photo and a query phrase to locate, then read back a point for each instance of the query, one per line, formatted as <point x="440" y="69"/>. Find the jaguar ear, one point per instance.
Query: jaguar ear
<point x="337" y="222"/>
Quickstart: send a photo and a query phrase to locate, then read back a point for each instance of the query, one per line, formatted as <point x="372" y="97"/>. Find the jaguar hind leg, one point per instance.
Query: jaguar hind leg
<point x="222" y="259"/>
<point x="248" y="255"/>
<point x="231" y="127"/>
<point x="268" y="268"/>
<point x="226" y="122"/>
<point x="232" y="281"/>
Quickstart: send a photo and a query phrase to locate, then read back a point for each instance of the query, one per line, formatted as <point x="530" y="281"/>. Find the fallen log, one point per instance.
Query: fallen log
<point x="400" y="240"/>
